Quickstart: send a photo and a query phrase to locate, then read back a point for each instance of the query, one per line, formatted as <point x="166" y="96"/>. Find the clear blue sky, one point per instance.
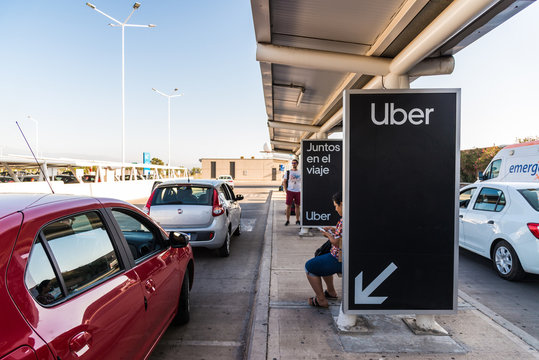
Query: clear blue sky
<point x="61" y="64"/>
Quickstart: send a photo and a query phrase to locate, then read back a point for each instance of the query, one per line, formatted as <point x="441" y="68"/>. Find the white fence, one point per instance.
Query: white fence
<point x="123" y="190"/>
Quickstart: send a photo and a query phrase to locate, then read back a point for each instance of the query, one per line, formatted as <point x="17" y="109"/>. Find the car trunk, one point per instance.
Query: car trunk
<point x="182" y="206"/>
<point x="182" y="216"/>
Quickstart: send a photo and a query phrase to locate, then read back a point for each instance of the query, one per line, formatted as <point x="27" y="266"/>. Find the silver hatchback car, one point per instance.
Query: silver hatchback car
<point x="207" y="210"/>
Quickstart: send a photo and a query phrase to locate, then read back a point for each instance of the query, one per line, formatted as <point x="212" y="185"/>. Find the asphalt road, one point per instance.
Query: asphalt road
<point x="223" y="292"/>
<point x="517" y="302"/>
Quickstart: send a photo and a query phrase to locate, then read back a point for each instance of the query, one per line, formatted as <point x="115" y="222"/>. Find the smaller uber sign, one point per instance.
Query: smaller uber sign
<point x="321" y="178"/>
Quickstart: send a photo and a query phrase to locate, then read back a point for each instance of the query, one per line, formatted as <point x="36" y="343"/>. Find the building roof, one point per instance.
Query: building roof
<point x="312" y="50"/>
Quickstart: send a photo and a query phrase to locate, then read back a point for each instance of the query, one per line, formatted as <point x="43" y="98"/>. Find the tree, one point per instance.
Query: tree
<point x="527" y="139"/>
<point x="474" y="160"/>
<point x="195" y="170"/>
<point x="156" y="161"/>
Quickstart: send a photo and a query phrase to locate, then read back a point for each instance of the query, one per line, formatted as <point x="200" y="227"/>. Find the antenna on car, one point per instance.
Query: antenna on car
<point x="188" y="178"/>
<point x="35" y="158"/>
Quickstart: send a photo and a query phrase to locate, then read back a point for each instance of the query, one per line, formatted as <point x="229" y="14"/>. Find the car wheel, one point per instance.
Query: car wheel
<point x="505" y="261"/>
<point x="238" y="230"/>
<point x="224" y="250"/>
<point x="184" y="304"/>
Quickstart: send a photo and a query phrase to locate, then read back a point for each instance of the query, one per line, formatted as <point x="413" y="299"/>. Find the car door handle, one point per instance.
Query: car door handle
<point x="80" y="343"/>
<point x="150" y="286"/>
<point x="491" y="222"/>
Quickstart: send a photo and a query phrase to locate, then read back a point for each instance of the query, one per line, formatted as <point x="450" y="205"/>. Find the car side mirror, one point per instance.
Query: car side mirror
<point x="178" y="239"/>
<point x="239" y="197"/>
<point x="481" y="177"/>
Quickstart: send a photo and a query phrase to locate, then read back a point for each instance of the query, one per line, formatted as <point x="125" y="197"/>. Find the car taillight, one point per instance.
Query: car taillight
<point x="146" y="208"/>
<point x="217" y="209"/>
<point x="534" y="228"/>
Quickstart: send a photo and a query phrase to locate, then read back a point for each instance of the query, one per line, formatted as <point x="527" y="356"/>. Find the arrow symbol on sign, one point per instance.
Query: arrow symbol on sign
<point x="363" y="296"/>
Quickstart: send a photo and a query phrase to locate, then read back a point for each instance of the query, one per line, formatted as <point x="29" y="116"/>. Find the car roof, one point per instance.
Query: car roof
<point x="515" y="185"/>
<point x="191" y="181"/>
<point x="14" y="202"/>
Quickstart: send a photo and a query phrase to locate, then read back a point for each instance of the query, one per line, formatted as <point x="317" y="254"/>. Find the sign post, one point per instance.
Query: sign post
<point x="400" y="236"/>
<point x="321" y="178"/>
<point x="146" y="159"/>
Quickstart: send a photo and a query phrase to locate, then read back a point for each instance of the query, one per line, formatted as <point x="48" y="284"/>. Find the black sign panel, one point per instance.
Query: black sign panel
<point x="400" y="204"/>
<point x="321" y="178"/>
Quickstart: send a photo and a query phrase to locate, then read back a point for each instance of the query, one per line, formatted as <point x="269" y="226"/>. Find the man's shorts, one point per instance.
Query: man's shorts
<point x="293" y="196"/>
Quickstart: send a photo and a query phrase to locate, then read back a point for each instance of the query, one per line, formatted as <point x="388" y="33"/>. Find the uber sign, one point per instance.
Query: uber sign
<point x="321" y="178"/>
<point x="400" y="239"/>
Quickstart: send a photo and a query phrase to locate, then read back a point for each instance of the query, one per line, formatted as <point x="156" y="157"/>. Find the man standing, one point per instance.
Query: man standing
<point x="292" y="184"/>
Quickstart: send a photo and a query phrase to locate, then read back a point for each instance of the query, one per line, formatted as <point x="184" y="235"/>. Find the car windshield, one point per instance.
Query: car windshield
<point x="532" y="196"/>
<point x="182" y="194"/>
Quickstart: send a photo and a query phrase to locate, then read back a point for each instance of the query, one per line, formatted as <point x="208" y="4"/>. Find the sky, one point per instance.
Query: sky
<point x="61" y="65"/>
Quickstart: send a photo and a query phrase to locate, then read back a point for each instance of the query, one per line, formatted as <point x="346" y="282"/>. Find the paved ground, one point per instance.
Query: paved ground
<point x="223" y="293"/>
<point x="295" y="330"/>
<point x="517" y="302"/>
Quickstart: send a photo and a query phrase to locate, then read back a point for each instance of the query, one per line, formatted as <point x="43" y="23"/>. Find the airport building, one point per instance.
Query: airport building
<point x="260" y="171"/>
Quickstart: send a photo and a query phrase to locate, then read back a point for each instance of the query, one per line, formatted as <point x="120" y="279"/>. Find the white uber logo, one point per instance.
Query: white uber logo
<point x="398" y="116"/>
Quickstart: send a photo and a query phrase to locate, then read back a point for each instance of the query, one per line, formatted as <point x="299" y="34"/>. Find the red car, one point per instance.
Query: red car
<point x="87" y="278"/>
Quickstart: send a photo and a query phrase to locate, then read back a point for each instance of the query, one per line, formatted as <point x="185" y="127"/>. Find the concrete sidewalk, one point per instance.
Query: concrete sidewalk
<point x="286" y="327"/>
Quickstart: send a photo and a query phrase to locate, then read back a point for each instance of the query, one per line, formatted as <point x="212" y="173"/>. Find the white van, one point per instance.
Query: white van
<point x="517" y="163"/>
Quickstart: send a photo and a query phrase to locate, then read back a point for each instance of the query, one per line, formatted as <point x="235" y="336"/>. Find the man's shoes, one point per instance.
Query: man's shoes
<point x="286" y="223"/>
<point x="297" y="222"/>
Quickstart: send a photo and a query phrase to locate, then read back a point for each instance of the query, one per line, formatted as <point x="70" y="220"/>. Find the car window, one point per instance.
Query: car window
<point x="40" y="279"/>
<point x="490" y="200"/>
<point x="493" y="170"/>
<point x="182" y="194"/>
<point x="226" y="191"/>
<point x="141" y="241"/>
<point x="465" y="196"/>
<point x="231" y="192"/>
<point x="531" y="196"/>
<point x="82" y="250"/>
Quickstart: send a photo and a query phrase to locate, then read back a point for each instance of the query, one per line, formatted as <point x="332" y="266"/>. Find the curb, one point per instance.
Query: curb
<point x="498" y="319"/>
<point x="257" y="347"/>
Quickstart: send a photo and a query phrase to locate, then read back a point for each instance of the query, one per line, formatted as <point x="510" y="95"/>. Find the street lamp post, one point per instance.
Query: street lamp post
<point x="123" y="25"/>
<point x="168" y="97"/>
<point x="37" y="134"/>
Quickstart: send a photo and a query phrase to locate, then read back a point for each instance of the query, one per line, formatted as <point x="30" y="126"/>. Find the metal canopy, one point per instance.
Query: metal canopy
<point x="312" y="50"/>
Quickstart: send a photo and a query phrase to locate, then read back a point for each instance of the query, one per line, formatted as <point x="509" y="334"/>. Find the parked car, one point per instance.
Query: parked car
<point x="130" y="177"/>
<point x="500" y="221"/>
<point x="87" y="278"/>
<point x="207" y="210"/>
<point x="88" y="178"/>
<point x="66" y="179"/>
<point x="228" y="179"/>
<point x="6" y="179"/>
<point x="30" y="178"/>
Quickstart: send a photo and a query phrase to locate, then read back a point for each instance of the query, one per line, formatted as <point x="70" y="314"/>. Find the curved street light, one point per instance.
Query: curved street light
<point x="168" y="97"/>
<point x="123" y="25"/>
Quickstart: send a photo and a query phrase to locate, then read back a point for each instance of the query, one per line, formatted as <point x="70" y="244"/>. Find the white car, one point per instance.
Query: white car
<point x="207" y="210"/>
<point x="500" y="221"/>
<point x="228" y="179"/>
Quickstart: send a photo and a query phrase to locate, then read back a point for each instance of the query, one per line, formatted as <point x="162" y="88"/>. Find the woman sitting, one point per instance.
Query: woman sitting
<point x="324" y="266"/>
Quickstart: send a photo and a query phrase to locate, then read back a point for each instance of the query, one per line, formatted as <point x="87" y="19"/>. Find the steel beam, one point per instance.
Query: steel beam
<point x="323" y="60"/>
<point x="292" y="126"/>
<point x="285" y="144"/>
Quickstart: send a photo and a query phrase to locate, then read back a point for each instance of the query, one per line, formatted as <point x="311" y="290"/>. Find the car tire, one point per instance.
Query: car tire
<point x="224" y="251"/>
<point x="506" y="263"/>
<point x="184" y="304"/>
<point x="238" y="229"/>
